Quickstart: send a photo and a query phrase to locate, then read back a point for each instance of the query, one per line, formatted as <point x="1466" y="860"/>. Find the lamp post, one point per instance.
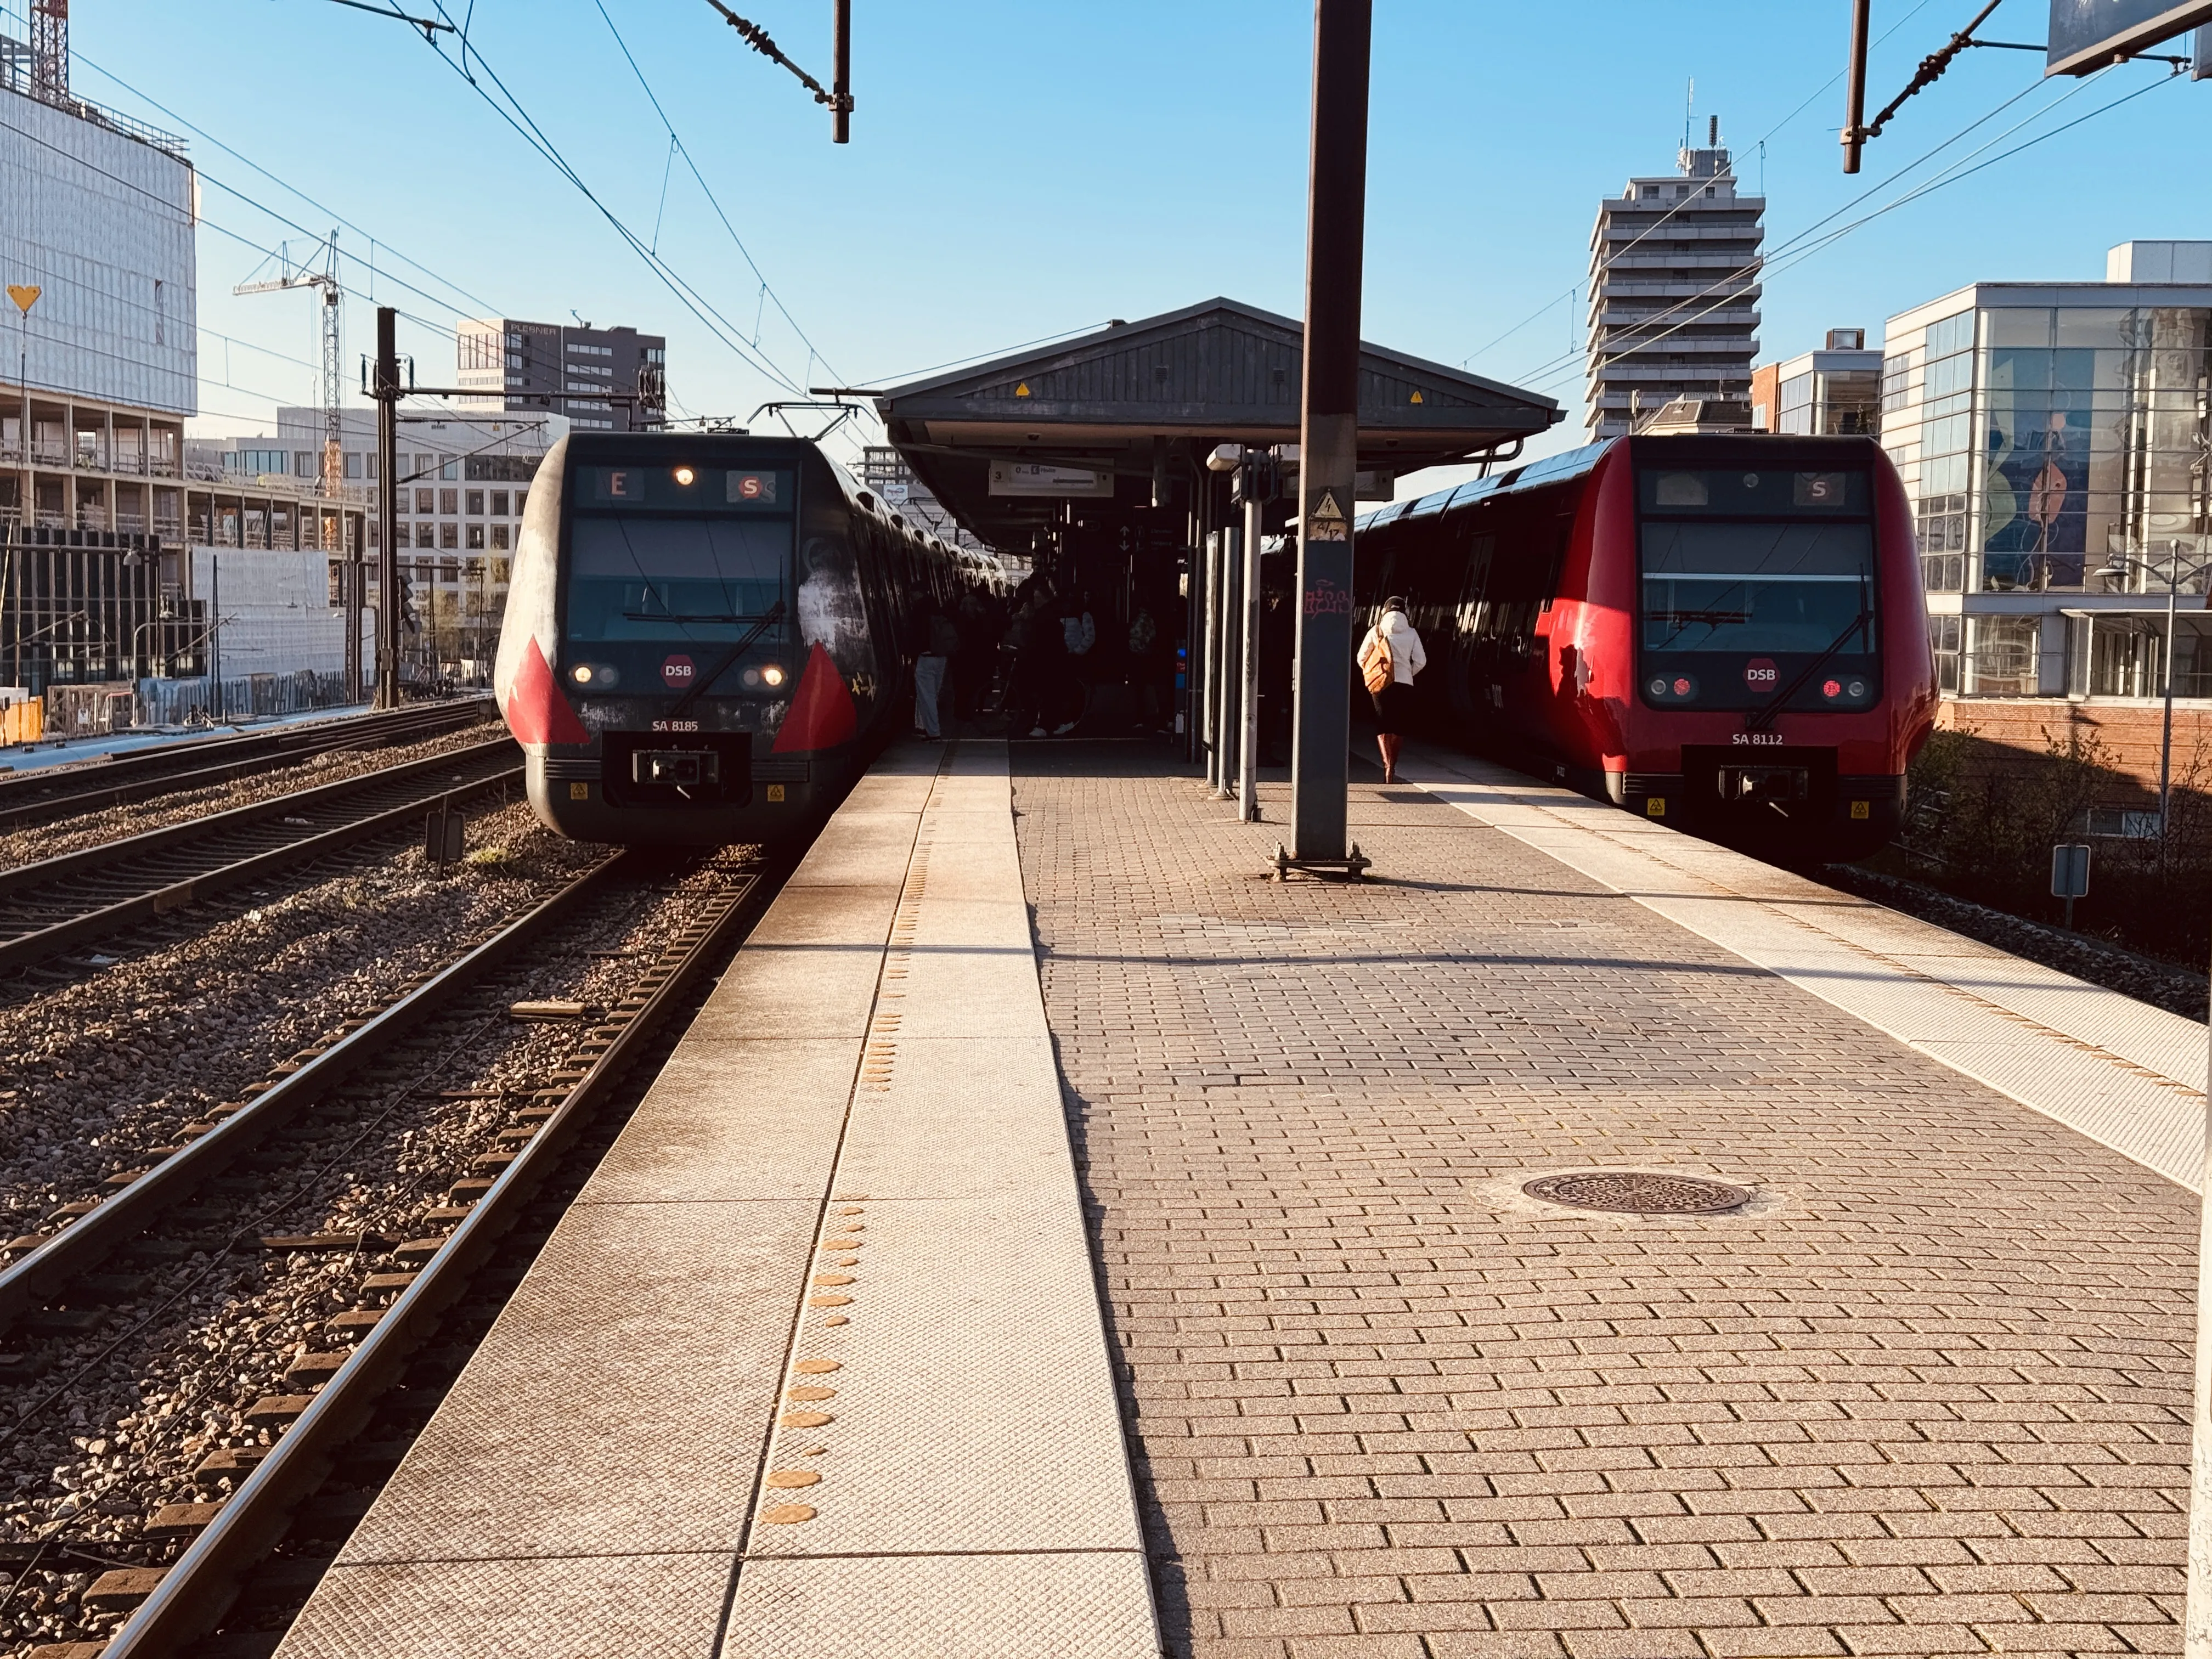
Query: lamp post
<point x="2118" y="564"/>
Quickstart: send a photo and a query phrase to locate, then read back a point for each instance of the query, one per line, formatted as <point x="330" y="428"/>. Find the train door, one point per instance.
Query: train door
<point x="1462" y="675"/>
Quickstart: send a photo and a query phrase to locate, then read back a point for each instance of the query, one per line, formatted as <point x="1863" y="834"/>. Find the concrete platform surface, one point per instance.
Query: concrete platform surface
<point x="1925" y="1393"/>
<point x="814" y="1369"/>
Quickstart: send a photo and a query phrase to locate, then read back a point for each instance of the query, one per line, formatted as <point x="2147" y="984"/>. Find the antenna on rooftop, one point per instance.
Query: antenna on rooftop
<point x="1689" y="103"/>
<point x="1712" y="132"/>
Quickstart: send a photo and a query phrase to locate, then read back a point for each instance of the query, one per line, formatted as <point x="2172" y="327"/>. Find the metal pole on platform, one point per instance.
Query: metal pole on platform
<point x="1225" y="722"/>
<point x="1211" y="680"/>
<point x="1328" y="428"/>
<point x="1248" y="748"/>
<point x="384" y="386"/>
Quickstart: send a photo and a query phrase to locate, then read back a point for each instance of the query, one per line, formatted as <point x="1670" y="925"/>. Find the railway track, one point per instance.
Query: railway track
<point x="60" y="904"/>
<point x="68" y="790"/>
<point x="411" y="1304"/>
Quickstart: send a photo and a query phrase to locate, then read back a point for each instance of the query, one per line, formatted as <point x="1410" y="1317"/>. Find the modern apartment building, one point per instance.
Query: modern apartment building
<point x="1673" y="293"/>
<point x="612" y="379"/>
<point x="1834" y="391"/>
<point x="2056" y="439"/>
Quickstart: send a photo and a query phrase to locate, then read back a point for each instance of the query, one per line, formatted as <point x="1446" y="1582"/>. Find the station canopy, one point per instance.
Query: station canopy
<point x="1115" y="422"/>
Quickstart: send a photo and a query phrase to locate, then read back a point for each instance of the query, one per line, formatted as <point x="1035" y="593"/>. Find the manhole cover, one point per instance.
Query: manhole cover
<point x="1636" y="1192"/>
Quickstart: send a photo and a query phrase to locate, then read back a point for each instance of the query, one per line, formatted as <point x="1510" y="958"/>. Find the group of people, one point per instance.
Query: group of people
<point x="1048" y="648"/>
<point x="1048" y="639"/>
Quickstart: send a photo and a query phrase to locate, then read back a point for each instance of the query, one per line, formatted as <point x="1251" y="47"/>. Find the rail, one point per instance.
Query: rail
<point x="196" y="1592"/>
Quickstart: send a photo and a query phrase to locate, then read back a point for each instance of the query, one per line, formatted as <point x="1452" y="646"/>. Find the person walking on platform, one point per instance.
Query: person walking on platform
<point x="944" y="643"/>
<point x="1389" y="657"/>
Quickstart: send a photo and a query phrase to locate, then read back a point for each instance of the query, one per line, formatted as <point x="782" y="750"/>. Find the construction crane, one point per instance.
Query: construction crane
<point x="306" y="274"/>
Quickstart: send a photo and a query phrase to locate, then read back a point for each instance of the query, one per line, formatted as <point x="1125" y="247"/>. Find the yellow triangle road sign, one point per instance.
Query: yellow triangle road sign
<point x="1417" y="398"/>
<point x="24" y="294"/>
<point x="1328" y="508"/>
<point x="1022" y="389"/>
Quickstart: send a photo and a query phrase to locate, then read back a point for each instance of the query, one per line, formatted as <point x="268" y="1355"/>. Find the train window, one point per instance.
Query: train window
<point x="1764" y="492"/>
<point x="674" y="581"/>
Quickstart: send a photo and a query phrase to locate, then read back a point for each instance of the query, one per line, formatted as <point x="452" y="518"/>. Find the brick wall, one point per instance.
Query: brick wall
<point x="2126" y="735"/>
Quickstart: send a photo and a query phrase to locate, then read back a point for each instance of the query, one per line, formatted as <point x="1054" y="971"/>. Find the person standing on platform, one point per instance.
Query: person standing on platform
<point x="1078" y="632"/>
<point x="943" y="644"/>
<point x="1389" y="657"/>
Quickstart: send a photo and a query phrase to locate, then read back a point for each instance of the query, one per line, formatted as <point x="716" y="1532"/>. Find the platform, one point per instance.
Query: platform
<point x="1925" y="1393"/>
<point x="814" y="1368"/>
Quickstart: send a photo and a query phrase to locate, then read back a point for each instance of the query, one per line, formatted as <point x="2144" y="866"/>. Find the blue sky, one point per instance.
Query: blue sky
<point x="1020" y="170"/>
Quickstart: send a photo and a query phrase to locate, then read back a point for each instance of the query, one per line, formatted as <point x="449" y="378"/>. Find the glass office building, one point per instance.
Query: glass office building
<point x="2056" y="441"/>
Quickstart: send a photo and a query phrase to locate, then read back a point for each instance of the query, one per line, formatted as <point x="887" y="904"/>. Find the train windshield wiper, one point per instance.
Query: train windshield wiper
<point x="698" y="687"/>
<point x="1762" y="718"/>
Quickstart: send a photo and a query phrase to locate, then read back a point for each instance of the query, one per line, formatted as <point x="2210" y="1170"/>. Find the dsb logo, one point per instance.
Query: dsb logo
<point x="677" y="673"/>
<point x="1760" y="674"/>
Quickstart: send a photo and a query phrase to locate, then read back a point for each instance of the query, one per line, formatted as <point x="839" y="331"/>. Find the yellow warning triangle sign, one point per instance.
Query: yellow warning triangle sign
<point x="1022" y="389"/>
<point x="1417" y="398"/>
<point x="1328" y="508"/>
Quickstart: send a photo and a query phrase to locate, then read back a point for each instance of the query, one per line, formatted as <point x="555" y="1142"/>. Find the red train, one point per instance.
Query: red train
<point x="1725" y="632"/>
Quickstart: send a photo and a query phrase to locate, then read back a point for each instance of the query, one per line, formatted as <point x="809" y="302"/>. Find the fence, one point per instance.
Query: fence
<point x="173" y="702"/>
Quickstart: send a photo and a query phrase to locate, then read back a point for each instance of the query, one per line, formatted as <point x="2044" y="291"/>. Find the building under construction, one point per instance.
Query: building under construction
<point x="109" y="532"/>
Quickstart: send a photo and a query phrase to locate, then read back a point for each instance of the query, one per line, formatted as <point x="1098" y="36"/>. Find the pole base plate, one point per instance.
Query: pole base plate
<point x="1354" y="867"/>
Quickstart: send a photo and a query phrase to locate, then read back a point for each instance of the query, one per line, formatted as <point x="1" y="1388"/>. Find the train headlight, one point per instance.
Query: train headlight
<point x="686" y="476"/>
<point x="581" y="673"/>
<point x="772" y="674"/>
<point x="599" y="676"/>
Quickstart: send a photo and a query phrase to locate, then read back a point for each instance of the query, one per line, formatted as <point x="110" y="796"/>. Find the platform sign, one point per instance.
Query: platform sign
<point x="2070" y="871"/>
<point x="2088" y="34"/>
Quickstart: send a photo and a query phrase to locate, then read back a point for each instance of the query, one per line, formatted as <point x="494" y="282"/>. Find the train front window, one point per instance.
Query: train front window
<point x="1755" y="584"/>
<point x="671" y="580"/>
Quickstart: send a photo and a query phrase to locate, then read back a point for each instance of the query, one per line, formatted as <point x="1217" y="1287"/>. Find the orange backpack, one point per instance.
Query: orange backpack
<point x="1375" y="666"/>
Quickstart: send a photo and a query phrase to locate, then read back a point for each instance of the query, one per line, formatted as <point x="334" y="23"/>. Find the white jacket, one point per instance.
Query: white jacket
<point x="1407" y="658"/>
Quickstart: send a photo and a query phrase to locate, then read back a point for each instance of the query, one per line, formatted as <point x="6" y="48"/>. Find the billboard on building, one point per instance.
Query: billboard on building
<point x="2088" y="34"/>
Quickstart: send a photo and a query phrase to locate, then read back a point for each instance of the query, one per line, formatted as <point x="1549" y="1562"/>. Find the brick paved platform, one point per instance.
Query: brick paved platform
<point x="1926" y="1396"/>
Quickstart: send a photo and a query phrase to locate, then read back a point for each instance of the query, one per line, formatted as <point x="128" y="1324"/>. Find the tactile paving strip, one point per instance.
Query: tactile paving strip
<point x="2124" y="1074"/>
<point x="947" y="1474"/>
<point x="945" y="1607"/>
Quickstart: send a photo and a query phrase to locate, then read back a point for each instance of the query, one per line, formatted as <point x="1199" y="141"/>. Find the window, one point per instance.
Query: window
<point x="353" y="464"/>
<point x="424" y="463"/>
<point x="161" y="313"/>
<point x="476" y="503"/>
<point x="499" y="503"/>
<point x="1944" y="633"/>
<point x="372" y="459"/>
<point x="520" y="497"/>
<point x="303" y="464"/>
<point x="450" y="470"/>
<point x="499" y="537"/>
<point x="2003" y="656"/>
<point x="426" y="501"/>
<point x="475" y="536"/>
<point x="449" y="500"/>
<point x="398" y="533"/>
<point x="449" y="534"/>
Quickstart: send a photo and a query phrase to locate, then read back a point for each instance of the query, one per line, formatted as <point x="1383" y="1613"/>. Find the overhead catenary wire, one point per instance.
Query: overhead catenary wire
<point x="1949" y="176"/>
<point x="476" y="303"/>
<point x="513" y="112"/>
<point x="679" y="148"/>
<point x="1606" y="263"/>
<point x="1767" y="257"/>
